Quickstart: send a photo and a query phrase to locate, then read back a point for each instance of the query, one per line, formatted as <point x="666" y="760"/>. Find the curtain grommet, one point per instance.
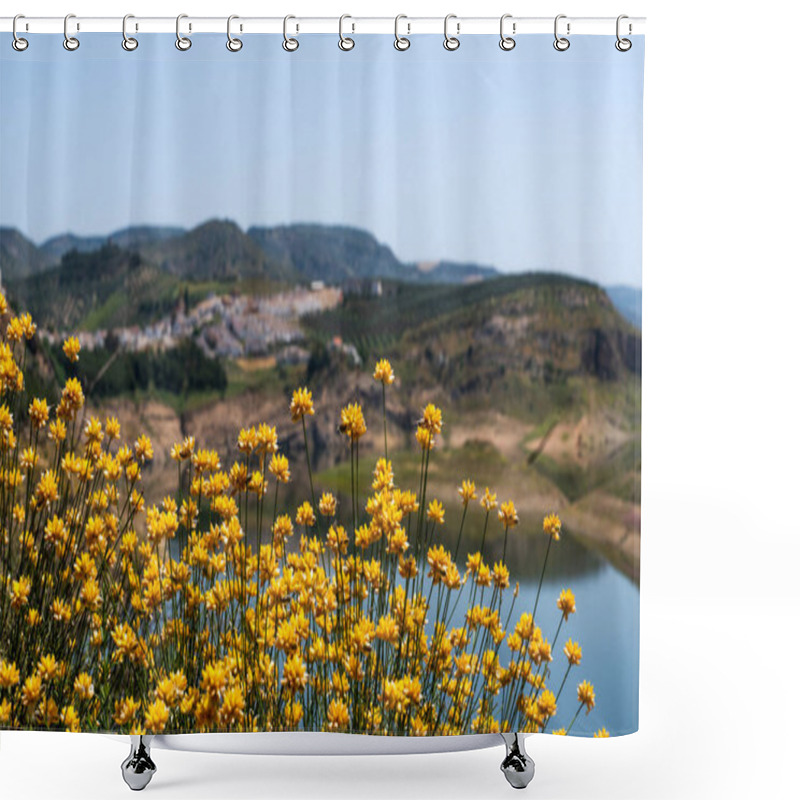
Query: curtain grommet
<point x="622" y="44"/>
<point x="129" y="43"/>
<point x="451" y="43"/>
<point x="70" y="43"/>
<point x="507" y="43"/>
<point x="233" y="44"/>
<point x="183" y="43"/>
<point x="289" y="44"/>
<point x="18" y="42"/>
<point x="561" y="43"/>
<point x="401" y="43"/>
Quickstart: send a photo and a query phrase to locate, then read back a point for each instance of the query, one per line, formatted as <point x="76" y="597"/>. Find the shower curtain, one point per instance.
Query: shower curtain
<point x="321" y="383"/>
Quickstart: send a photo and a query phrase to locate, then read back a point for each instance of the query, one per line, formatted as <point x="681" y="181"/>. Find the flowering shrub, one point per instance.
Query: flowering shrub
<point x="117" y="613"/>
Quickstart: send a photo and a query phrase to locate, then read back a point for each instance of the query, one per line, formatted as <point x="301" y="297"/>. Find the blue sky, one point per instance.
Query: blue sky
<point x="523" y="160"/>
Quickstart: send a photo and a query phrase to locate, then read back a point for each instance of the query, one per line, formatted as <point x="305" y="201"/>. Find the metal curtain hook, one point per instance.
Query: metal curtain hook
<point x="289" y="44"/>
<point x="507" y="42"/>
<point x="451" y="42"/>
<point x="128" y="42"/>
<point x="345" y="42"/>
<point x="70" y="42"/>
<point x="623" y="45"/>
<point x="400" y="42"/>
<point x="181" y="42"/>
<point x="233" y="44"/>
<point x="561" y="43"/>
<point x="18" y="43"/>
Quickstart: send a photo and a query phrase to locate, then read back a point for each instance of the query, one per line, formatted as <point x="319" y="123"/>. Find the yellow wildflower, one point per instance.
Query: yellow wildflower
<point x="38" y="412"/>
<point x="435" y="512"/>
<point x="125" y="711"/>
<point x="282" y="529"/>
<point x="566" y="603"/>
<point x="28" y="459"/>
<point x="466" y="491"/>
<point x="9" y="674"/>
<point x="573" y="652"/>
<point x="267" y="438"/>
<point x="294" y="674"/>
<point x="47" y="668"/>
<point x="601" y="734"/>
<point x="337" y="538"/>
<point x="279" y="467"/>
<point x="302" y="404"/>
<point x="232" y="709"/>
<point x="70" y="719"/>
<point x="338" y="715"/>
<point x="83" y="686"/>
<point x="214" y="678"/>
<point x="32" y="690"/>
<point x="112" y="428"/>
<point x="546" y="704"/>
<point x="383" y="372"/>
<point x="20" y="589"/>
<point x="327" y="505"/>
<point x="305" y="514"/>
<point x="156" y="716"/>
<point x="352" y="421"/>
<point x="586" y="695"/>
<point x="500" y="576"/>
<point x="383" y="475"/>
<point x="46" y="491"/>
<point x="60" y="610"/>
<point x="71" y="348"/>
<point x="144" y="448"/>
<point x="508" y="514"/>
<point x="552" y="526"/>
<point x="432" y="419"/>
<point x="425" y="438"/>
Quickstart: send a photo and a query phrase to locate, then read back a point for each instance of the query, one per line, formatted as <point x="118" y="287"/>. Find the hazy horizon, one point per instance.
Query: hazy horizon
<point x="185" y="229"/>
<point x="441" y="156"/>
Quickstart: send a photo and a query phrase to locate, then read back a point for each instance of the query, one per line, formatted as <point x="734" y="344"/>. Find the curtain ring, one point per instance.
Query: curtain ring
<point x="289" y="44"/>
<point x="181" y="42"/>
<point x="345" y="42"/>
<point x="128" y="42"/>
<point x="233" y="44"/>
<point x="451" y="42"/>
<point x="18" y="43"/>
<point x="400" y="42"/>
<point x="70" y="42"/>
<point x="507" y="42"/>
<point x="623" y="45"/>
<point x="561" y="43"/>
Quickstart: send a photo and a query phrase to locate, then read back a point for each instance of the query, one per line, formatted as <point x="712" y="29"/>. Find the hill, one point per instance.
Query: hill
<point x="454" y="272"/>
<point x="215" y="250"/>
<point x="331" y="253"/>
<point x="473" y="338"/>
<point x="19" y="256"/>
<point x="218" y="250"/>
<point x="108" y="287"/>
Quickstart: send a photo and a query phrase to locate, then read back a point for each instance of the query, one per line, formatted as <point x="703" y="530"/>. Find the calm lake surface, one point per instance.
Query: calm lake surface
<point x="605" y="624"/>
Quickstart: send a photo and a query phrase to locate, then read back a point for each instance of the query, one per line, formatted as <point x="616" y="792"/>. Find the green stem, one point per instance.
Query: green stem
<point x="541" y="578"/>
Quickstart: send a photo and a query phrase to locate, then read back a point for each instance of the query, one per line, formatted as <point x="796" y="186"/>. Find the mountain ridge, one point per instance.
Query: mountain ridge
<point x="221" y="250"/>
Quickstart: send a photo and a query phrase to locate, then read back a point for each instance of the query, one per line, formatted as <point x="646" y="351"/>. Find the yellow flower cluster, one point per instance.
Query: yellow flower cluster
<point x="204" y="611"/>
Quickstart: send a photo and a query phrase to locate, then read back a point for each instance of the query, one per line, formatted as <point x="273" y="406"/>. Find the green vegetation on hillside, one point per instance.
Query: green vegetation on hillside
<point x="181" y="371"/>
<point x="108" y="287"/>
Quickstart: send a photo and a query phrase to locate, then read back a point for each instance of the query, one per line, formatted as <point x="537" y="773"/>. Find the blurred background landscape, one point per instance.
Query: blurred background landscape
<point x="207" y="330"/>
